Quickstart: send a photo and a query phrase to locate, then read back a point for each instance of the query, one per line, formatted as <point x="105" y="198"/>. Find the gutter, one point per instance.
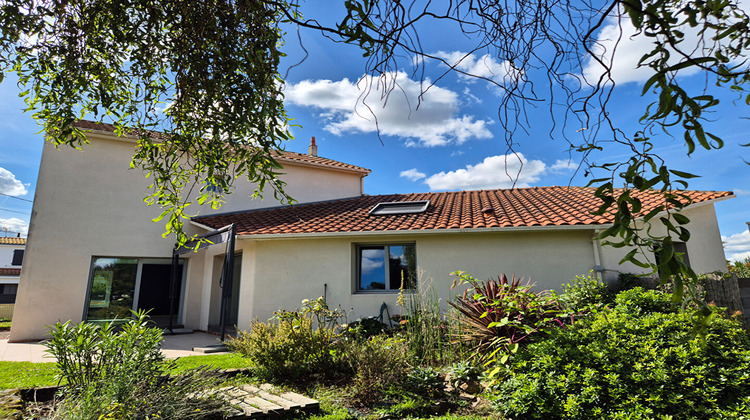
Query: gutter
<point x="317" y="235"/>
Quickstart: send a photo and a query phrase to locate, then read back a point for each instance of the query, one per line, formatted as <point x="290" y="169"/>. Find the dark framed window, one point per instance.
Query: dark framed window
<point x="118" y="286"/>
<point x="17" y="257"/>
<point x="385" y="268"/>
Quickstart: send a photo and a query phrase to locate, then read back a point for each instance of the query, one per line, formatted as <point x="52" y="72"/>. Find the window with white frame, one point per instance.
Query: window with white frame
<point x="385" y="268"/>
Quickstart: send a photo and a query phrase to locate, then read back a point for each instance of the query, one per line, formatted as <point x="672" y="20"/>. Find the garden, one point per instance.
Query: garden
<point x="501" y="350"/>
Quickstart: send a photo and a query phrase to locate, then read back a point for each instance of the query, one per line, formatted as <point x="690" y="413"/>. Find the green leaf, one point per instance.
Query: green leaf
<point x="683" y="174"/>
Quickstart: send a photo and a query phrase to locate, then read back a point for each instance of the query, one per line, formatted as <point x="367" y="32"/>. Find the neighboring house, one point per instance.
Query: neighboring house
<point x="11" y="260"/>
<point x="93" y="252"/>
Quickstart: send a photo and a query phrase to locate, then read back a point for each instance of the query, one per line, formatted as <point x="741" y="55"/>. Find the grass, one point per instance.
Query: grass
<point x="220" y="361"/>
<point x="4" y="325"/>
<point x="27" y="375"/>
<point x="34" y="375"/>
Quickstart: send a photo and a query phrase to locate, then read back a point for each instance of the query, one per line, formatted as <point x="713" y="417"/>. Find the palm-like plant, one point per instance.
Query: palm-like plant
<point x="501" y="310"/>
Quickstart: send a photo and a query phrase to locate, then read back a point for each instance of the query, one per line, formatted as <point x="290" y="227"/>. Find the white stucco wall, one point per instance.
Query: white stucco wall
<point x="280" y="273"/>
<point x="286" y="271"/>
<point x="705" y="250"/>
<point x="89" y="203"/>
<point x="6" y="255"/>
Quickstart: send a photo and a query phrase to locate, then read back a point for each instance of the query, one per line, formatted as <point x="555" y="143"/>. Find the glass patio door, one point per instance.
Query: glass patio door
<point x="119" y="285"/>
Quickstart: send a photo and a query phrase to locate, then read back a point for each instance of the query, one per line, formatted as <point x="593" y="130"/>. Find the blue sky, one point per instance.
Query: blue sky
<point x="452" y="142"/>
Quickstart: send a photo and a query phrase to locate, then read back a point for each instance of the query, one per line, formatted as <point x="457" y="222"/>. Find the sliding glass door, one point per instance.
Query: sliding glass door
<point x="119" y="285"/>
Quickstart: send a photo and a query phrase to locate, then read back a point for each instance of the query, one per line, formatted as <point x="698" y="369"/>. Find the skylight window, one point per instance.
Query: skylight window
<point x="399" y="207"/>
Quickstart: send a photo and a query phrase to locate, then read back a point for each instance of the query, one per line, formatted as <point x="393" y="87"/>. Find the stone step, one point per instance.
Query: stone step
<point x="249" y="401"/>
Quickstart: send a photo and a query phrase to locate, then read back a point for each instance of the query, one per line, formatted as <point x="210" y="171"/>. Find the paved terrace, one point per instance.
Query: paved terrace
<point x="173" y="346"/>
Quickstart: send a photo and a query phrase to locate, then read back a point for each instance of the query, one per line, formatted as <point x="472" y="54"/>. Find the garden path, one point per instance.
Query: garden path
<point x="264" y="401"/>
<point x="173" y="346"/>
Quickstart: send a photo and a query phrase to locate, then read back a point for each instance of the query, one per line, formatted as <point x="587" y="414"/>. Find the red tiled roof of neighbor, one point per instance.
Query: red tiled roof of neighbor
<point x="12" y="240"/>
<point x="282" y="156"/>
<point x="10" y="271"/>
<point x="520" y="207"/>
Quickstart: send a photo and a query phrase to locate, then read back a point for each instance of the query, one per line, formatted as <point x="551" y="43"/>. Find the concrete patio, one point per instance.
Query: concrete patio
<point x="174" y="346"/>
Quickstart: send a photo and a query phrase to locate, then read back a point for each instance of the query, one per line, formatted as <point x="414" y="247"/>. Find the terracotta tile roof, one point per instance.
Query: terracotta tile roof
<point x="10" y="271"/>
<point x="283" y="156"/>
<point x="301" y="158"/>
<point x="521" y="207"/>
<point x="12" y="240"/>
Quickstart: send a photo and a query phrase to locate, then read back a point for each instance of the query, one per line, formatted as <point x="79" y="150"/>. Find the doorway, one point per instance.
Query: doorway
<point x="214" y="321"/>
<point x="153" y="294"/>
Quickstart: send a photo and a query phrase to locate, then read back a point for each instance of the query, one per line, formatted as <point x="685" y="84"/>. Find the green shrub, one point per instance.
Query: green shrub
<point x="637" y="361"/>
<point x="365" y="328"/>
<point x="292" y="346"/>
<point x="122" y="374"/>
<point x="88" y="353"/>
<point x="584" y="293"/>
<point x="638" y="301"/>
<point x="462" y="372"/>
<point x="740" y="268"/>
<point x="629" y="280"/>
<point x="377" y="364"/>
<point x="425" y="382"/>
<point x="285" y="350"/>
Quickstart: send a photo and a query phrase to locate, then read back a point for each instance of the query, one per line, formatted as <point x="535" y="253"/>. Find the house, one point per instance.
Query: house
<point x="11" y="260"/>
<point x="94" y="254"/>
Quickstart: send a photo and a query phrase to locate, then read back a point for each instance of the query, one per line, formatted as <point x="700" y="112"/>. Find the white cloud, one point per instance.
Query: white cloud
<point x="740" y="191"/>
<point x="363" y="107"/>
<point x="503" y="171"/>
<point x="563" y="166"/>
<point x="412" y="174"/>
<point x="485" y="66"/>
<point x="619" y="47"/>
<point x="737" y="246"/>
<point x="14" y="225"/>
<point x="10" y="185"/>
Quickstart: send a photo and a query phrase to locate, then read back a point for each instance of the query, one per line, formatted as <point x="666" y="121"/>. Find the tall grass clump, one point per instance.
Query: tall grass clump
<point x="426" y="328"/>
<point x="122" y="374"/>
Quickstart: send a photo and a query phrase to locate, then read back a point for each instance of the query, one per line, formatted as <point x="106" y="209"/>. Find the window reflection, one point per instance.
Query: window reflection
<point x="374" y="274"/>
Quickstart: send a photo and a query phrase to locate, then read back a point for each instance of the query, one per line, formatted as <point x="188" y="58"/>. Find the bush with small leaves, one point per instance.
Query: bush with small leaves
<point x="460" y="373"/>
<point x="377" y="364"/>
<point x="584" y="293"/>
<point x="740" y="268"/>
<point x="639" y="360"/>
<point x="425" y="382"/>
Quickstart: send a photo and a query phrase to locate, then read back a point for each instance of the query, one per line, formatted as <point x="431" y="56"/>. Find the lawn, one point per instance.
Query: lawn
<point x="27" y="375"/>
<point x="34" y="375"/>
<point x="218" y="361"/>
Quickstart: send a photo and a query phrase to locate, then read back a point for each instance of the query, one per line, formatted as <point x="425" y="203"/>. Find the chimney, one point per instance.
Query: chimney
<point x="313" y="149"/>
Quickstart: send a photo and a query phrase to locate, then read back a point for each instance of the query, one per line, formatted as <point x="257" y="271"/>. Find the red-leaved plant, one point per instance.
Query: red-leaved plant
<point x="499" y="313"/>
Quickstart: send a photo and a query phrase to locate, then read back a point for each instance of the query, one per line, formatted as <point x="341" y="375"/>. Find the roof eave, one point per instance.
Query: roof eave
<point x="317" y="235"/>
<point x="362" y="171"/>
